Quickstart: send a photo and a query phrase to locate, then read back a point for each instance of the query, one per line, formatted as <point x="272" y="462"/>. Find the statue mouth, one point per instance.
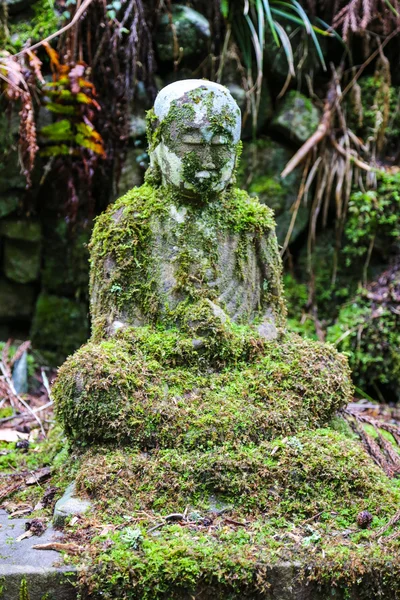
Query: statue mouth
<point x="204" y="174"/>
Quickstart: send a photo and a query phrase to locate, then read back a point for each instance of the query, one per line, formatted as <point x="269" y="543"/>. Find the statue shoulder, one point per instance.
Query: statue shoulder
<point x="247" y="212"/>
<point x="132" y="210"/>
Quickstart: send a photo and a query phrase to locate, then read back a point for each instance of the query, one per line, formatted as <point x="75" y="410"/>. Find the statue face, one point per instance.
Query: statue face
<point x="198" y="138"/>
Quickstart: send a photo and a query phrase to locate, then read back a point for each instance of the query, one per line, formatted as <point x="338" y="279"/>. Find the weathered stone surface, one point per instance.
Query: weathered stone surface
<point x="11" y="177"/>
<point x="59" y="326"/>
<point x="192" y="31"/>
<point x="44" y="571"/>
<point x="133" y="170"/>
<point x="9" y="202"/>
<point x="21" y="260"/>
<point x="297" y="118"/>
<point x="16" y="300"/>
<point x="69" y="505"/>
<point x="20" y="374"/>
<point x="19" y="229"/>
<point x="260" y="168"/>
<point x="65" y="258"/>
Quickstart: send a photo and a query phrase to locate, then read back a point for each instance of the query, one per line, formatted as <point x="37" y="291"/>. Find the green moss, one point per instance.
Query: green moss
<point x="124" y="268"/>
<point x="23" y="590"/>
<point x="42" y="22"/>
<point x="373" y="219"/>
<point x="371" y="340"/>
<point x="273" y="488"/>
<point x="167" y="392"/>
<point x="374" y="110"/>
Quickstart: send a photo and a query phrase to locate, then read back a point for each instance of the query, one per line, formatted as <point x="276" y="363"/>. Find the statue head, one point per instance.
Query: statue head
<point x="194" y="136"/>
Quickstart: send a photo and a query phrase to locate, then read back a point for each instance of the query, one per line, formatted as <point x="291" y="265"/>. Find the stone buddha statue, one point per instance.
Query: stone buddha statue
<point x="195" y="236"/>
<point x="188" y="316"/>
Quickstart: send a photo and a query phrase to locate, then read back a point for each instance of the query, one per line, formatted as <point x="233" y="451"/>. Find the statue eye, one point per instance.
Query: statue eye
<point x="219" y="140"/>
<point x="192" y="138"/>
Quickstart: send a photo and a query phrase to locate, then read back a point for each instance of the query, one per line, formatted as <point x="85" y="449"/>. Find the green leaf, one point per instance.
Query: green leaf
<point x="224" y="8"/>
<point x="61" y="109"/>
<point x="271" y="22"/>
<point x="58" y="131"/>
<point x="287" y="47"/>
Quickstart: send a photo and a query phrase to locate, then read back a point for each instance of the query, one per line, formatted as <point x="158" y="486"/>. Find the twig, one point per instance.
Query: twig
<point x="59" y="547"/>
<point x="10" y="383"/>
<point x="318" y="135"/>
<point x="76" y="17"/>
<point x="313" y="517"/>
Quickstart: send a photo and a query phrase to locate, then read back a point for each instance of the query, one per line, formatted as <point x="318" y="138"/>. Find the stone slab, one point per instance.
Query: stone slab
<point x="69" y="505"/>
<point x="45" y="573"/>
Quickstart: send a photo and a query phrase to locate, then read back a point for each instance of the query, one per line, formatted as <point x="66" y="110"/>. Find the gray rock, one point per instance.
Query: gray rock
<point x="297" y="118"/>
<point x="16" y="300"/>
<point x="192" y="31"/>
<point x="43" y="570"/>
<point x="20" y="374"/>
<point x="69" y="505"/>
<point x="21" y="260"/>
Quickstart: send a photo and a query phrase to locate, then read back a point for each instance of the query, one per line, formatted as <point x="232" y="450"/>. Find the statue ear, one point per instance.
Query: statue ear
<point x="153" y="129"/>
<point x="153" y="174"/>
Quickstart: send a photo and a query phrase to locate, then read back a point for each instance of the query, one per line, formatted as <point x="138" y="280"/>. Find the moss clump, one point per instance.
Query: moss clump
<point x="42" y="22"/>
<point x="126" y="392"/>
<point x="369" y="334"/>
<point x="126" y="282"/>
<point x="374" y="220"/>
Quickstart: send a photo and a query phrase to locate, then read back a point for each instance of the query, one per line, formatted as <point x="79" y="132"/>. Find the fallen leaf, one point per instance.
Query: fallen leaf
<point x="38" y="476"/>
<point x="11" y="435"/>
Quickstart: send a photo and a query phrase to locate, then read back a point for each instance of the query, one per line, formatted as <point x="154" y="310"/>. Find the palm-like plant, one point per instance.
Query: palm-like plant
<point x="253" y="21"/>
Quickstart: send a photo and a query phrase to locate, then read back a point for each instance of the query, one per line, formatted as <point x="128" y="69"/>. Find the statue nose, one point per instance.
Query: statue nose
<point x="208" y="164"/>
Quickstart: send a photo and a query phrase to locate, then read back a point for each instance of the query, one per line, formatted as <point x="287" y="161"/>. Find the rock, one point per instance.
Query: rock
<point x="259" y="171"/>
<point x="16" y="300"/>
<point x="69" y="505"/>
<point x="133" y="170"/>
<point x="9" y="202"/>
<point x="297" y="118"/>
<point x="65" y="258"/>
<point x="18" y="229"/>
<point x="20" y="374"/>
<point x="192" y="31"/>
<point x="19" y="561"/>
<point x="59" y="326"/>
<point x="137" y="126"/>
<point x="21" y="260"/>
<point x="11" y="178"/>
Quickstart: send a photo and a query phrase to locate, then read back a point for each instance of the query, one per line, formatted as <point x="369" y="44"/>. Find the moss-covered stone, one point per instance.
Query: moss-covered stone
<point x="297" y="118"/>
<point x="243" y="511"/>
<point x="21" y="260"/>
<point x="161" y="390"/>
<point x="188" y="39"/>
<point x="153" y="256"/>
<point x="59" y="327"/>
<point x="19" y="229"/>
<point x="66" y="258"/>
<point x="16" y="300"/>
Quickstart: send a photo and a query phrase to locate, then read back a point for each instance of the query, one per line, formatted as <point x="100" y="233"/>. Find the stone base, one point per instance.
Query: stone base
<point x="45" y="574"/>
